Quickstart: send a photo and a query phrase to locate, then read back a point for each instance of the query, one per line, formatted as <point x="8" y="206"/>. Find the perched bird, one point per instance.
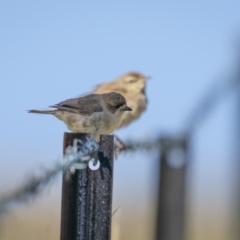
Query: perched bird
<point x="94" y="113"/>
<point x="132" y="86"/>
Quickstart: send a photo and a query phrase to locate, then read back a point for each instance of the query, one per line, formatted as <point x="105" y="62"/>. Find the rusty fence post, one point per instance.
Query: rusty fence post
<point x="171" y="200"/>
<point x="87" y="195"/>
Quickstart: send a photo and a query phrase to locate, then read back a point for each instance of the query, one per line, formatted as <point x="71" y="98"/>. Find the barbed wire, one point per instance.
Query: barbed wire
<point x="74" y="154"/>
<point x="36" y="183"/>
<point x="214" y="95"/>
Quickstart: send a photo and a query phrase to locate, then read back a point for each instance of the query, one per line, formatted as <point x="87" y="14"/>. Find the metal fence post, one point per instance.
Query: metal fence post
<point x="170" y="216"/>
<point x="87" y="195"/>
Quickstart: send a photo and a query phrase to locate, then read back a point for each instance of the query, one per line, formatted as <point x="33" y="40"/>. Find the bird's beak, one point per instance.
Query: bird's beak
<point x="148" y="77"/>
<point x="126" y="109"/>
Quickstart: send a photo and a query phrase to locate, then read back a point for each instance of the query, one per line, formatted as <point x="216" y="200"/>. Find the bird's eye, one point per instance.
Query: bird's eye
<point x="132" y="80"/>
<point x="116" y="107"/>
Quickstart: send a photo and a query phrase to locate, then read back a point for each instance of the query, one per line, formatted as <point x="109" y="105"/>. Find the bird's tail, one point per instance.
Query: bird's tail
<point x="47" y="111"/>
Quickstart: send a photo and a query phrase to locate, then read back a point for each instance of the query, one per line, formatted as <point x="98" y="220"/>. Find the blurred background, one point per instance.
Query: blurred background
<point x="54" y="50"/>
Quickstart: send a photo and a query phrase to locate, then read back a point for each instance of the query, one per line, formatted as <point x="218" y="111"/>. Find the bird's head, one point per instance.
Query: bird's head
<point x="134" y="81"/>
<point x="115" y="103"/>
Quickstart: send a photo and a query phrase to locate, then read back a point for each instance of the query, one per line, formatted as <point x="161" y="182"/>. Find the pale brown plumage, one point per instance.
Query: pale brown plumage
<point x="94" y="113"/>
<point x="132" y="86"/>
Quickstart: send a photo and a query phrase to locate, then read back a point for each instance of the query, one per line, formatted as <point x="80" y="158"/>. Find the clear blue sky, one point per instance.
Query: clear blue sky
<point x="53" y="50"/>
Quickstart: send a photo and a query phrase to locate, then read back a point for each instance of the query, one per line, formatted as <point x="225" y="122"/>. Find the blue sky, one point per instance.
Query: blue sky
<point x="54" y="50"/>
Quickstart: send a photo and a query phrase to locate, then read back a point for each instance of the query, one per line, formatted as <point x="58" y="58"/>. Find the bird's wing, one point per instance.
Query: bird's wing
<point x="110" y="87"/>
<point x="83" y="105"/>
<point x="104" y="87"/>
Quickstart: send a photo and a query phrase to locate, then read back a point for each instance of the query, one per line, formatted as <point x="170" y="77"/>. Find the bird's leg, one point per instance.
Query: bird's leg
<point x="118" y="146"/>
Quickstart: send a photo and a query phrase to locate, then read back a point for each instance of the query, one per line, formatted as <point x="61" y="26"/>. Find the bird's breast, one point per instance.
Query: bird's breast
<point x="100" y="122"/>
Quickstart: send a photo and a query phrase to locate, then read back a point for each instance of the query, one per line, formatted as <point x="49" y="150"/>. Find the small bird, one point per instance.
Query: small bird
<point x="94" y="113"/>
<point x="132" y="86"/>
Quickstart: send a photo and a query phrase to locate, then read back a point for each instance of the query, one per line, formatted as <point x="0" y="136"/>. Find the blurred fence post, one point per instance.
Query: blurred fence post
<point x="87" y="195"/>
<point x="171" y="200"/>
<point x="236" y="167"/>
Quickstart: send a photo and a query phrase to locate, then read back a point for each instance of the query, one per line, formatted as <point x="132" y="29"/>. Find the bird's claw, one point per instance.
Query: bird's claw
<point x="118" y="146"/>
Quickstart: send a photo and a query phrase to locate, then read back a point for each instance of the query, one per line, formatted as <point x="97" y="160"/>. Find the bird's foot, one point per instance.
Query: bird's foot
<point x="118" y="146"/>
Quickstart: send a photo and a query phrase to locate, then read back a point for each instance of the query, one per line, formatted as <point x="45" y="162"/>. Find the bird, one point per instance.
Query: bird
<point x="94" y="113"/>
<point x="132" y="86"/>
